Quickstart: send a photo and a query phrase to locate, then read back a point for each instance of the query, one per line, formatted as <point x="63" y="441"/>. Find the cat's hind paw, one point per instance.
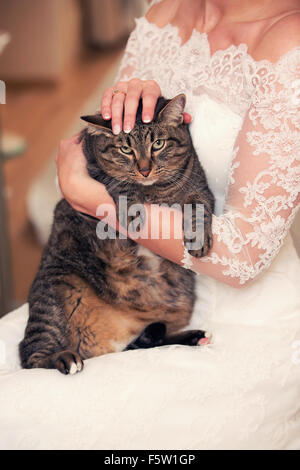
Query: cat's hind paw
<point x="152" y="336"/>
<point x="206" y="340"/>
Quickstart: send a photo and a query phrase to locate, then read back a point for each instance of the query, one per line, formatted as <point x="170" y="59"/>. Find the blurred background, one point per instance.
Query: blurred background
<point x="56" y="58"/>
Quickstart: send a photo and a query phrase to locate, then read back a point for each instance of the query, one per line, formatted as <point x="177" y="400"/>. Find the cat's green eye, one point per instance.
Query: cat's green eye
<point x="158" y="144"/>
<point x="126" y="150"/>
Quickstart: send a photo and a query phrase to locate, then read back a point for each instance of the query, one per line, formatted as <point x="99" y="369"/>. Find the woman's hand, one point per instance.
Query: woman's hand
<point x="82" y="192"/>
<point x="125" y="96"/>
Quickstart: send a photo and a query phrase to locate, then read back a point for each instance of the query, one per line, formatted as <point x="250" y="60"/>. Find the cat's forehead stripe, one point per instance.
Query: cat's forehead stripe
<point x="132" y="137"/>
<point x="174" y="139"/>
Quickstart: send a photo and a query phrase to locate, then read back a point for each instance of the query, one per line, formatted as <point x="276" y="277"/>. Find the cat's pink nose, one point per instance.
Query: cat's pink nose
<point x="145" y="171"/>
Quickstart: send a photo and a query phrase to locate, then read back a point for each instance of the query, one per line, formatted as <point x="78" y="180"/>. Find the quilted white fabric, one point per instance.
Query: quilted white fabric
<point x="238" y="395"/>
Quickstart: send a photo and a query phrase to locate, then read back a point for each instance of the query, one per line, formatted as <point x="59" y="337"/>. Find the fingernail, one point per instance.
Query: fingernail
<point x="147" y="119"/>
<point x="106" y="116"/>
<point x="127" y="128"/>
<point x="116" y="129"/>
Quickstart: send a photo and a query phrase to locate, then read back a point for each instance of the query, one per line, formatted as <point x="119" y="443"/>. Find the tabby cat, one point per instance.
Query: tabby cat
<point x="93" y="296"/>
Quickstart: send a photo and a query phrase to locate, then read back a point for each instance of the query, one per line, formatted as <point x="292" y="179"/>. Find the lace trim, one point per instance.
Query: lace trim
<point x="187" y="260"/>
<point x="230" y="75"/>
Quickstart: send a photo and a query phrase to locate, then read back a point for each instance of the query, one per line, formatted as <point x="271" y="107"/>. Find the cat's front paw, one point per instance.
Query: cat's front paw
<point x="67" y="362"/>
<point x="204" y="249"/>
<point x="197" y="229"/>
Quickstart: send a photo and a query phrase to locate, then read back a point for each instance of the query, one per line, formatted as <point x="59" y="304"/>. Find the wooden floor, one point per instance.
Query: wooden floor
<point x="41" y="114"/>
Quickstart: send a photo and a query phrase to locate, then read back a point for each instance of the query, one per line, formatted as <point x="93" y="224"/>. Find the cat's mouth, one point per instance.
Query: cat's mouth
<point x="146" y="177"/>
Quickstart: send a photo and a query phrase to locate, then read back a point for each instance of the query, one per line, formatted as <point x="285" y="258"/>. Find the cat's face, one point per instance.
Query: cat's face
<point x="150" y="153"/>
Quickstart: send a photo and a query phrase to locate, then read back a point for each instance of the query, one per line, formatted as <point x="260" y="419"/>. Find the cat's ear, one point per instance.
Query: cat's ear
<point x="97" y="125"/>
<point x="172" y="113"/>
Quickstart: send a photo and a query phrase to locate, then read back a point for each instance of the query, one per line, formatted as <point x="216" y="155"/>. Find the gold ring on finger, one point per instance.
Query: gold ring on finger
<point x="118" y="91"/>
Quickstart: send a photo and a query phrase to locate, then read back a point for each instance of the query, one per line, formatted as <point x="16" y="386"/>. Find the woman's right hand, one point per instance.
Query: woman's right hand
<point x="81" y="191"/>
<point x="125" y="96"/>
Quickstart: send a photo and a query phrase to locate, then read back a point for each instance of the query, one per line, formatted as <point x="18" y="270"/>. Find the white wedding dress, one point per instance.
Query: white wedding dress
<point x="242" y="391"/>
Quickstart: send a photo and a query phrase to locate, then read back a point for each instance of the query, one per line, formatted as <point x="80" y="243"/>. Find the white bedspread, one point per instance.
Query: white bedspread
<point x="140" y="399"/>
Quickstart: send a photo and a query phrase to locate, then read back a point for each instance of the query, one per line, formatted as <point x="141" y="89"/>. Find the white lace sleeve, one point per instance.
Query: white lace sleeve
<point x="264" y="187"/>
<point x="129" y="63"/>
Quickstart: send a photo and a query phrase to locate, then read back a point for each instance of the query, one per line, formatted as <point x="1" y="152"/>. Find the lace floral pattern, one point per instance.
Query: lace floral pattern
<point x="253" y="234"/>
<point x="264" y="179"/>
<point x="221" y="76"/>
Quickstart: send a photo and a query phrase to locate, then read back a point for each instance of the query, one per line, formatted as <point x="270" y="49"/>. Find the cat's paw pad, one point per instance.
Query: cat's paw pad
<point x="206" y="340"/>
<point x="68" y="362"/>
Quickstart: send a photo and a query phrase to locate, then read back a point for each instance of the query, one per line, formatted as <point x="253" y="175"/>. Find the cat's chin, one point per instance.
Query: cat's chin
<point x="147" y="182"/>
